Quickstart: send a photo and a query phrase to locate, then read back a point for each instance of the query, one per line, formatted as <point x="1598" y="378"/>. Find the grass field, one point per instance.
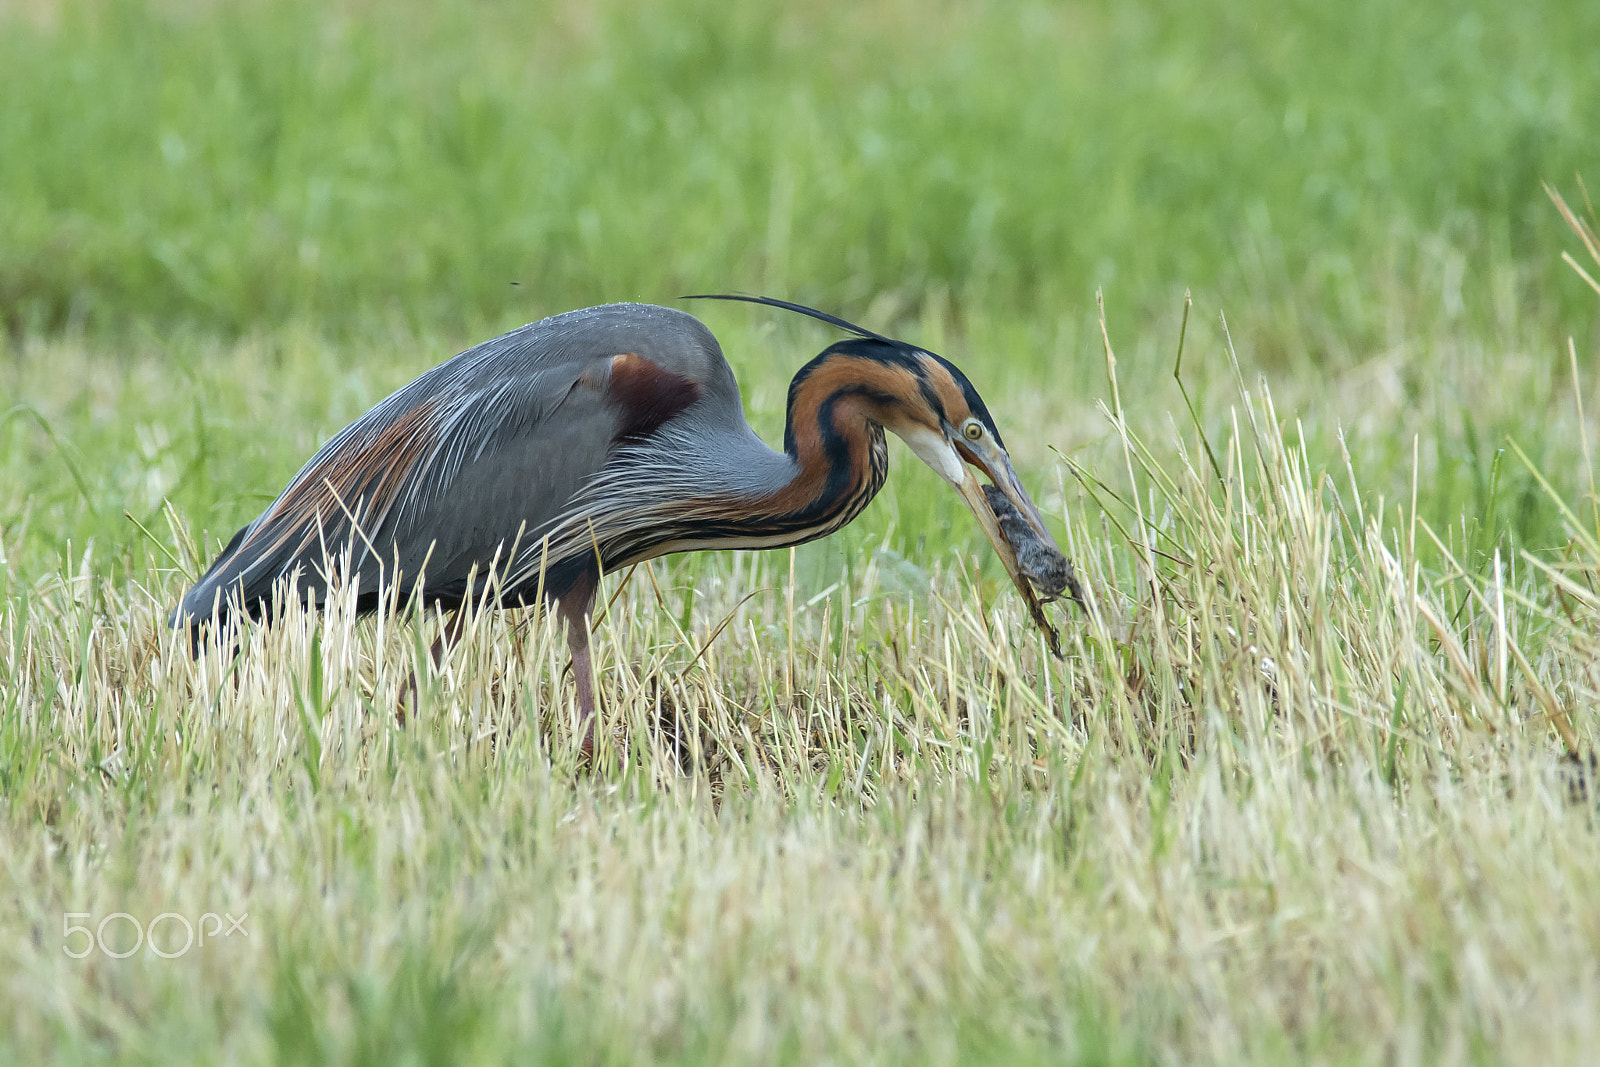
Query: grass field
<point x="1312" y="783"/>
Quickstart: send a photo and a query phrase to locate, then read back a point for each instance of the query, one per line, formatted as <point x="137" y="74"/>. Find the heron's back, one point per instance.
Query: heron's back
<point x="473" y="460"/>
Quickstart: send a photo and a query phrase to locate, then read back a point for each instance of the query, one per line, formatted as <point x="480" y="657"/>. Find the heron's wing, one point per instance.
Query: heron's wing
<point x="444" y="471"/>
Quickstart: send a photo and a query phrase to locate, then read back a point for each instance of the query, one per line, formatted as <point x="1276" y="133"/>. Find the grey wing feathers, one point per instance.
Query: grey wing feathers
<point x="450" y="469"/>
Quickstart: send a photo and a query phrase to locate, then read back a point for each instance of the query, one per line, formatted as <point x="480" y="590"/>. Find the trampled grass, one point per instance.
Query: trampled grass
<point x="1313" y="782"/>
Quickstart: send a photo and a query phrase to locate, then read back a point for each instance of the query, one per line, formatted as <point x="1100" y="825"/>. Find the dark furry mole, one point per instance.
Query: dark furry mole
<point x="1045" y="567"/>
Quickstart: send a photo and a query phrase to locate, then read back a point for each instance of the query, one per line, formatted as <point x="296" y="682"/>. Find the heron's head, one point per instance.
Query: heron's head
<point x="946" y="423"/>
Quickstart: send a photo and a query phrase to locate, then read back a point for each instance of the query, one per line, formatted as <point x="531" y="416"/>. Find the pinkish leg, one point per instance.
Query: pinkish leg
<point x="573" y="607"/>
<point x="583" y="677"/>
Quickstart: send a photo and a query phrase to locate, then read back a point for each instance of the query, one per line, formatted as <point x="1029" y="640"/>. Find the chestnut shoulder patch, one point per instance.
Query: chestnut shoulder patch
<point x="646" y="395"/>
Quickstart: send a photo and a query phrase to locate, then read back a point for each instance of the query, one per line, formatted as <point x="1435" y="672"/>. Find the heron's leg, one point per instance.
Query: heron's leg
<point x="583" y="677"/>
<point x="573" y="606"/>
<point x="455" y="625"/>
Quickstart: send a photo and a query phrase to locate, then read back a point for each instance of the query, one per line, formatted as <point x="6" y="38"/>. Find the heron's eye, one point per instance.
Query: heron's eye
<point x="973" y="429"/>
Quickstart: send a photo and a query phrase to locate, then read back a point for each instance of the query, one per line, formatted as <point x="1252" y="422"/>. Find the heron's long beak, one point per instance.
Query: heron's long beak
<point x="954" y="461"/>
<point x="971" y="490"/>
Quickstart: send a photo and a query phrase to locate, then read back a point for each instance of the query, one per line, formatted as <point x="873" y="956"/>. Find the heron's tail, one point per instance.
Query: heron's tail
<point x="219" y="594"/>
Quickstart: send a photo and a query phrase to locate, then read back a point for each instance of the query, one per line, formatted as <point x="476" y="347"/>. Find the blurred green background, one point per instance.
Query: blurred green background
<point x="238" y="166"/>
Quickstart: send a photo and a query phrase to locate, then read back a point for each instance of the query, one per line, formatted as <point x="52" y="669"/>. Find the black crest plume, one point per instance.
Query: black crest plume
<point x="801" y="309"/>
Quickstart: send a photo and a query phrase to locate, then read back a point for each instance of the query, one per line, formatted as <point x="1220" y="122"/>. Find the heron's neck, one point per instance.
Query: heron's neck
<point x="838" y="454"/>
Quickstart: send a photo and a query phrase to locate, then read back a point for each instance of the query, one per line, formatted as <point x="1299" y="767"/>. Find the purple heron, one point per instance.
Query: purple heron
<point x="527" y="466"/>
